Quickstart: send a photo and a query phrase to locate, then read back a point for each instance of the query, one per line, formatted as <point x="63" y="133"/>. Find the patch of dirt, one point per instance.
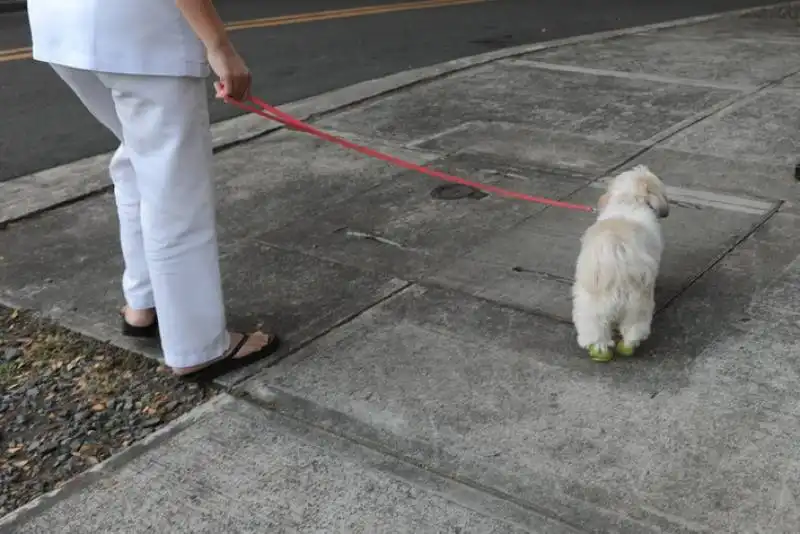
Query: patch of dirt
<point x="68" y="402"/>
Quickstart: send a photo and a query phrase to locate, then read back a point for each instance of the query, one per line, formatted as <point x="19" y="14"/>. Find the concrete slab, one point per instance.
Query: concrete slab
<point x="762" y="129"/>
<point x="255" y="473"/>
<point x="523" y="145"/>
<point x="782" y="299"/>
<point x="722" y="61"/>
<point x="764" y="180"/>
<point x="42" y="190"/>
<point x="747" y="27"/>
<point x="660" y="443"/>
<point x="288" y="176"/>
<point x="532" y="265"/>
<point x="73" y="274"/>
<point x="615" y="109"/>
<point x="724" y="302"/>
<point x="399" y="228"/>
<point x="68" y="264"/>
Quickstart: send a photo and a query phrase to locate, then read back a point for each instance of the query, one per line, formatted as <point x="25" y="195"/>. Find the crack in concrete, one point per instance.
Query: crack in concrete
<point x="376" y="238"/>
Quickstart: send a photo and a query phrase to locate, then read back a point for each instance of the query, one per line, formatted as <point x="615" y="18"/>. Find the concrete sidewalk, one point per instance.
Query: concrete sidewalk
<point x="430" y="381"/>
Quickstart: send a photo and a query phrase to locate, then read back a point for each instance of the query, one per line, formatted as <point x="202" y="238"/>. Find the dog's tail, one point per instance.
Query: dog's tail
<point x="609" y="264"/>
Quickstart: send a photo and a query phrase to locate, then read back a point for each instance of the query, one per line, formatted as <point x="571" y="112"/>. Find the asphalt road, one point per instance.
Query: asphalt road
<point x="43" y="125"/>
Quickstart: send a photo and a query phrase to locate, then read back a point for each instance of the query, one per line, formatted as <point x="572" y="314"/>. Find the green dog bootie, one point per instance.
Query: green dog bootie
<point x="600" y="354"/>
<point x="625" y="350"/>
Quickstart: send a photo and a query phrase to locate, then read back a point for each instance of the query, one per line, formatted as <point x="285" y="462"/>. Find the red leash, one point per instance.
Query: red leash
<point x="274" y="114"/>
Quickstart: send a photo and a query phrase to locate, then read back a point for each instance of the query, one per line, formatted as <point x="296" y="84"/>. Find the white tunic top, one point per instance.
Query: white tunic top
<point x="148" y="37"/>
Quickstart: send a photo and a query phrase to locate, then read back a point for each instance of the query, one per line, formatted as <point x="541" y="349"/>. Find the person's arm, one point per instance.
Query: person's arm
<point x="234" y="77"/>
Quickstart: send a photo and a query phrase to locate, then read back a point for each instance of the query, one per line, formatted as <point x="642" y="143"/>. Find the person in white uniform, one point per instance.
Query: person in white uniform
<point x="139" y="66"/>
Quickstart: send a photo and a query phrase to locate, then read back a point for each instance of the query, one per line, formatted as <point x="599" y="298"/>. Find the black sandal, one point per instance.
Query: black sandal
<point x="230" y="363"/>
<point x="150" y="331"/>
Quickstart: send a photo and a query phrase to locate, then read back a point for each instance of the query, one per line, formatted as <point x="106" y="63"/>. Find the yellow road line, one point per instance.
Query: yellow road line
<point x="14" y="57"/>
<point x="345" y="13"/>
<point x="15" y="54"/>
<point x="15" y="50"/>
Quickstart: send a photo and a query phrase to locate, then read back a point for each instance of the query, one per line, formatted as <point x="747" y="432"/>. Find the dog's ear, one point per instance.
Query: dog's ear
<point x="657" y="200"/>
<point x="602" y="202"/>
<point x="650" y="190"/>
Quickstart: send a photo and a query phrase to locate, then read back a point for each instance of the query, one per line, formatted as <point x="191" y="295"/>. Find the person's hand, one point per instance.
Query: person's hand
<point x="234" y="76"/>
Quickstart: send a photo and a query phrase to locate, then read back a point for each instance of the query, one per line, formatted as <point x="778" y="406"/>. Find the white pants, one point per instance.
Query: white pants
<point x="164" y="194"/>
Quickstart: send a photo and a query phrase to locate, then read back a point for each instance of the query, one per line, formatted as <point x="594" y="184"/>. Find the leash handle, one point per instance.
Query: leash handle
<point x="261" y="108"/>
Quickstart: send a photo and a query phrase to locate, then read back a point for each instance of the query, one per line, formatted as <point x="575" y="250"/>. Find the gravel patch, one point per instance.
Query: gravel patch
<point x="68" y="402"/>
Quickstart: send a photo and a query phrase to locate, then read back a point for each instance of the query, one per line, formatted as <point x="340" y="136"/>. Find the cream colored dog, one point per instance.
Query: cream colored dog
<point x="617" y="267"/>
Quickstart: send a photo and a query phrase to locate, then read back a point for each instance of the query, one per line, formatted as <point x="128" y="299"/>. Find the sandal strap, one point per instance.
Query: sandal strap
<point x="233" y="352"/>
<point x="229" y="363"/>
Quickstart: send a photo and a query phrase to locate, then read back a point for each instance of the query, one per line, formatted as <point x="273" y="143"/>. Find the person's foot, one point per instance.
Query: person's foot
<point x="139" y="323"/>
<point x="241" y="346"/>
<point x="139" y="318"/>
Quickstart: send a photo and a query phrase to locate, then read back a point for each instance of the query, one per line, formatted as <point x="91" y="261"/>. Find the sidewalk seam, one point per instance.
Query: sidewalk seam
<point x="657" y="78"/>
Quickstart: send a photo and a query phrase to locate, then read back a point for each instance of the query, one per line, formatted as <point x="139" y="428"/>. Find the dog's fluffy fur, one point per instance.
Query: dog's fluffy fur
<point x="618" y="263"/>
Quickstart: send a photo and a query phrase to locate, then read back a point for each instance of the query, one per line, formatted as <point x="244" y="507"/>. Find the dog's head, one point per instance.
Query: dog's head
<point x="638" y="186"/>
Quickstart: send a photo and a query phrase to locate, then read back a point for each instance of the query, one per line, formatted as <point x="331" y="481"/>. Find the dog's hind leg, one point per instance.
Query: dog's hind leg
<point x="593" y="325"/>
<point x="635" y="325"/>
